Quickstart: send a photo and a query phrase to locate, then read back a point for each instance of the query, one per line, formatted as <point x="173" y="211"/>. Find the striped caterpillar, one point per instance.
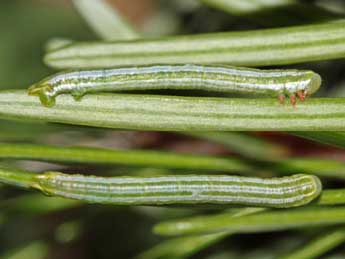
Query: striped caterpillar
<point x="290" y="191"/>
<point x="279" y="83"/>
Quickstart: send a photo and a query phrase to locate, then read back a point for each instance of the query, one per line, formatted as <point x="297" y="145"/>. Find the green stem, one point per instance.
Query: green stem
<point x="160" y="159"/>
<point x="319" y="246"/>
<point x="332" y="197"/>
<point x="275" y="220"/>
<point x="56" y="43"/>
<point x="248" y="48"/>
<point x="178" y="113"/>
<point x="121" y="157"/>
<point x="183" y="247"/>
<point x="18" y="178"/>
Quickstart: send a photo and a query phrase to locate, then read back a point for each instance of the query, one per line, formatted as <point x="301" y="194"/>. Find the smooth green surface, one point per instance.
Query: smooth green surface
<point x="178" y="113"/>
<point x="318" y="246"/>
<point x="275" y="220"/>
<point x="121" y="157"/>
<point x="248" y="48"/>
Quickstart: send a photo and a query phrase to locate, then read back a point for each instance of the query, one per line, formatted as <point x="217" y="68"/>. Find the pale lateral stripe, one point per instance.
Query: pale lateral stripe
<point x="96" y="74"/>
<point x="207" y="84"/>
<point x="183" y="77"/>
<point x="175" y="188"/>
<point x="183" y="179"/>
<point x="184" y="198"/>
<point x="286" y="191"/>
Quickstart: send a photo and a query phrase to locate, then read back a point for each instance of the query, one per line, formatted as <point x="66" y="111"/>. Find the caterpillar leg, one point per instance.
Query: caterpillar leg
<point x="281" y="98"/>
<point x="293" y="99"/>
<point x="44" y="93"/>
<point x="77" y="94"/>
<point x="301" y="95"/>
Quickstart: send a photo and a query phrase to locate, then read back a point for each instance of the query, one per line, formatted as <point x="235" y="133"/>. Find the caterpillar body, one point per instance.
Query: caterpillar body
<point x="279" y="83"/>
<point x="291" y="191"/>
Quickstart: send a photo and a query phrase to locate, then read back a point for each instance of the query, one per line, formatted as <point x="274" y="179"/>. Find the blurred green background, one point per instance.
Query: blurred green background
<point x="32" y="226"/>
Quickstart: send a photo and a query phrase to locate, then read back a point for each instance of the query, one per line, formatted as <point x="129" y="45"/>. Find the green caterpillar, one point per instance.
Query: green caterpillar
<point x="281" y="192"/>
<point x="279" y="83"/>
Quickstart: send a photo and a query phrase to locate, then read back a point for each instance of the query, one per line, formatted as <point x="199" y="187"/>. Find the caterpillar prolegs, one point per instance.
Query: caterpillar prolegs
<point x="281" y="83"/>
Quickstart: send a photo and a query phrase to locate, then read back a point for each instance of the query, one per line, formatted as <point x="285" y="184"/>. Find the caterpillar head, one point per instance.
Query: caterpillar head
<point x="44" y="91"/>
<point x="313" y="85"/>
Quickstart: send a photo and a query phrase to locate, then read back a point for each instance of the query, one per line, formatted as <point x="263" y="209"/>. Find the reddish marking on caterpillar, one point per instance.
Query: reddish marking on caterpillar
<point x="293" y="99"/>
<point x="301" y="95"/>
<point x="178" y="77"/>
<point x="281" y="98"/>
